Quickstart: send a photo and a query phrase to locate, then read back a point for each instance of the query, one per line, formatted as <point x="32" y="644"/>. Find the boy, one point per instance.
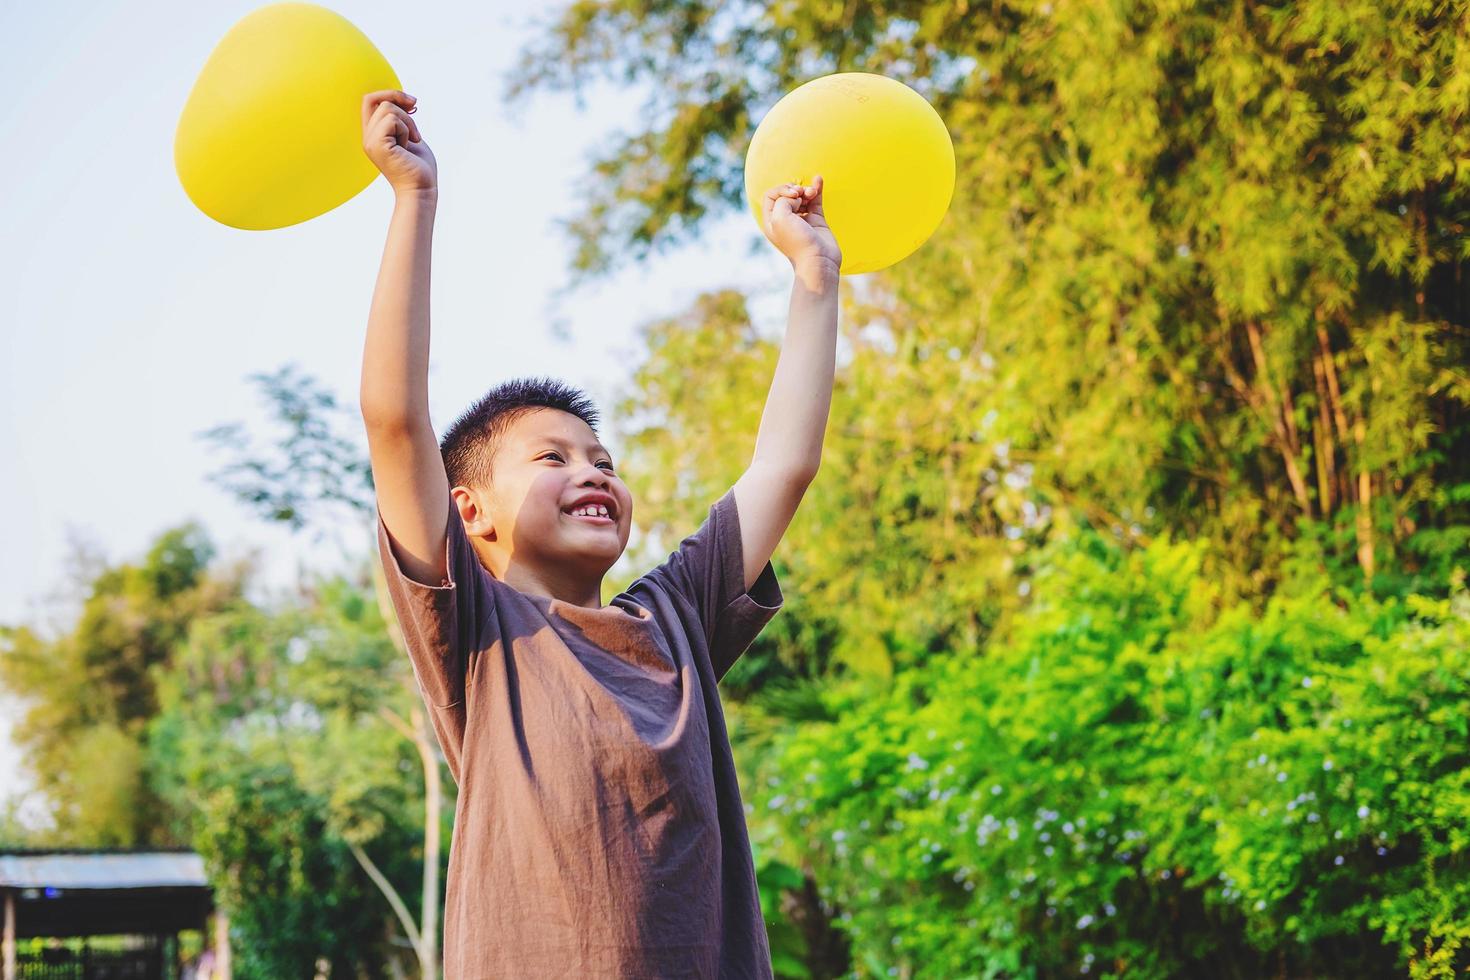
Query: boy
<point x="599" y="830"/>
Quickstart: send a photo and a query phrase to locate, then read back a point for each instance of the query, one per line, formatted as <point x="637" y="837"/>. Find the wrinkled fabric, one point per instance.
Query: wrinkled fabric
<point x="599" y="829"/>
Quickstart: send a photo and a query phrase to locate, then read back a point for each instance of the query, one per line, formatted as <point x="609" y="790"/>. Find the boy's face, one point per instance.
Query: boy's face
<point x="547" y="461"/>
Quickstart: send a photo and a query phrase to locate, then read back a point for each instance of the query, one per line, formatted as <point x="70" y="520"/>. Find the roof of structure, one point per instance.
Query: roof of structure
<point x="102" y="869"/>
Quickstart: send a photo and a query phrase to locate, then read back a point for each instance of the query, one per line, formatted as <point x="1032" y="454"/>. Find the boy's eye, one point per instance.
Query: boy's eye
<point x="551" y="452"/>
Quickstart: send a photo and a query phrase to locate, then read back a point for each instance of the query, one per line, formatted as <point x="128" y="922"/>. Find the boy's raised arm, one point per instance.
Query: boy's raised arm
<point x="788" y="446"/>
<point x="408" y="472"/>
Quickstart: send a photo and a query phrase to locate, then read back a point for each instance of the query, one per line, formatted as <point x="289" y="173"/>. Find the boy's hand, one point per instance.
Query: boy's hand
<point x="795" y="224"/>
<point x="392" y="142"/>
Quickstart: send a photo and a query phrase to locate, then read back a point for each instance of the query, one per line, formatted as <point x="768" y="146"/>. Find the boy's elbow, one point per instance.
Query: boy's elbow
<point x="805" y="470"/>
<point x="796" y="475"/>
<point x="386" y="418"/>
<point x="383" y="411"/>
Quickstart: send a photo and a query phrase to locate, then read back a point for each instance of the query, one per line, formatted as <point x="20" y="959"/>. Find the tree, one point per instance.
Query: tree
<point x="91" y="690"/>
<point x="271" y="740"/>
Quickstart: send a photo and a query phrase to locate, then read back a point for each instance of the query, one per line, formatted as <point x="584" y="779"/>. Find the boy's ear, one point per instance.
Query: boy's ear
<point x="476" y="518"/>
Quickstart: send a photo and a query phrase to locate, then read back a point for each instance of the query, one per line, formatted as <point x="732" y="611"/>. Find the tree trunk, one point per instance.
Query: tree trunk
<point x="1365" y="509"/>
<point x="1280" y="413"/>
<point x="828" y="955"/>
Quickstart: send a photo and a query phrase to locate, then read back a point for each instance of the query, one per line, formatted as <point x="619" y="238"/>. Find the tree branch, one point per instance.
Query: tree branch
<point x="386" y="887"/>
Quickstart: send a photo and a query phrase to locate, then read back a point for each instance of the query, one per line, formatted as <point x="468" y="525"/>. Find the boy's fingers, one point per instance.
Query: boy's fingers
<point x="399" y="96"/>
<point x="391" y="109"/>
<point x="413" y="127"/>
<point x="372" y="100"/>
<point x="388" y="128"/>
<point x="382" y="121"/>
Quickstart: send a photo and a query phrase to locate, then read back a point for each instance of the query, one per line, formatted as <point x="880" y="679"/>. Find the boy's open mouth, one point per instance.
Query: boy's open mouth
<point x="590" y="514"/>
<point x="592" y="518"/>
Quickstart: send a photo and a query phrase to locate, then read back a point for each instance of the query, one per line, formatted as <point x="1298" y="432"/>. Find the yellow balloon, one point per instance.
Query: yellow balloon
<point x="272" y="132"/>
<point x="885" y="157"/>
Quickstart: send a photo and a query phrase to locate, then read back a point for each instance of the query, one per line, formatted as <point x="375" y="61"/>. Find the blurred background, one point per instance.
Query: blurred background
<point x="1126" y="632"/>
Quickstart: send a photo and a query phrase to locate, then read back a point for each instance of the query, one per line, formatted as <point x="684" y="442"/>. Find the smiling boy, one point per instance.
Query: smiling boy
<point x="599" y="830"/>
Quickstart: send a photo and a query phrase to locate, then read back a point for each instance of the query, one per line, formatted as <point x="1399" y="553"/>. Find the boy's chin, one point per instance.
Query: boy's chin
<point x="594" y="540"/>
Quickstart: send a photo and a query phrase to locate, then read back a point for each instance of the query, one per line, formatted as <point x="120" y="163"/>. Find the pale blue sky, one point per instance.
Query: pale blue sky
<point x="131" y="321"/>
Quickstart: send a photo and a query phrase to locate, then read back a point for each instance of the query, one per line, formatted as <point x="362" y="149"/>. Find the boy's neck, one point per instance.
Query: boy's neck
<point x="526" y="579"/>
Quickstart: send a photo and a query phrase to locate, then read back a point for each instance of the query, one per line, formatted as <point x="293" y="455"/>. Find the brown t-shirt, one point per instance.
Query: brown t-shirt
<point x="599" y="830"/>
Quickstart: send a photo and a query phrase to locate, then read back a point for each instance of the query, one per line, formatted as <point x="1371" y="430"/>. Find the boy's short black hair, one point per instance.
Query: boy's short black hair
<point x="470" y="443"/>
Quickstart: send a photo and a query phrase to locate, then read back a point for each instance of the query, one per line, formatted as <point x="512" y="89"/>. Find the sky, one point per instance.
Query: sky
<point x="130" y="322"/>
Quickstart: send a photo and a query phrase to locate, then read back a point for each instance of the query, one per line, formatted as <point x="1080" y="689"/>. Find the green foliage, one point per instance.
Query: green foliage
<point x="294" y="893"/>
<point x="272" y="741"/>
<point x="313" y="471"/>
<point x="90" y="690"/>
<point x="1138" y="779"/>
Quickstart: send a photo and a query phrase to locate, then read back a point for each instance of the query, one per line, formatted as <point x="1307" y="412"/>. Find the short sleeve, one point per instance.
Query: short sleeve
<point x="441" y="626"/>
<point x="708" y="569"/>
